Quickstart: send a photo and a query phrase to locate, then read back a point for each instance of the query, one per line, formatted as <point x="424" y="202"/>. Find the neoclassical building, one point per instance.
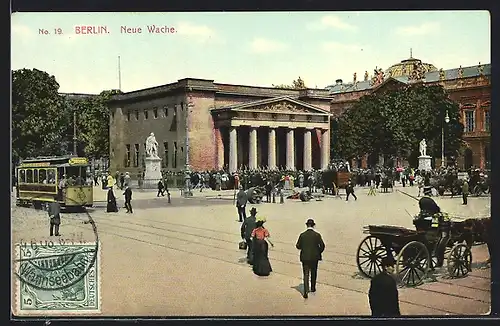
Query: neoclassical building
<point x="216" y="125"/>
<point x="229" y="126"/>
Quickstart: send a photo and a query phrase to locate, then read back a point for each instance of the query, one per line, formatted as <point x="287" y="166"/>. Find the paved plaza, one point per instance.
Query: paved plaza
<point x="182" y="259"/>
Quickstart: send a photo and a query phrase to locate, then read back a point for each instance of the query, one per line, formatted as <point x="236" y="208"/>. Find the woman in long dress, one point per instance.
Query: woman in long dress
<point x="111" y="207"/>
<point x="261" y="264"/>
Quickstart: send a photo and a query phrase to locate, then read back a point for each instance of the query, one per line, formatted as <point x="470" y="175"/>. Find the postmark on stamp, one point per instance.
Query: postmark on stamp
<point x="57" y="278"/>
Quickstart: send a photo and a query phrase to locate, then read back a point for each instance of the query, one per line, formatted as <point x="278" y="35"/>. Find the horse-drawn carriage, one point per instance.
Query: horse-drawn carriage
<point x="415" y="251"/>
<point x="334" y="177"/>
<point x="255" y="194"/>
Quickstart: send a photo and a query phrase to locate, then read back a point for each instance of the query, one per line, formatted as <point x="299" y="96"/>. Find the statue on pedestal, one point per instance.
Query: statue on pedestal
<point x="366" y="76"/>
<point x="152" y="146"/>
<point x="441" y="74"/>
<point x="423" y="148"/>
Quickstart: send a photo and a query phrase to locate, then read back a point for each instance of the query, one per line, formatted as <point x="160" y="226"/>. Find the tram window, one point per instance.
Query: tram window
<point x="42" y="176"/>
<point x="35" y="176"/>
<point x="29" y="176"/>
<point x="22" y="176"/>
<point x="76" y="175"/>
<point x="51" y="176"/>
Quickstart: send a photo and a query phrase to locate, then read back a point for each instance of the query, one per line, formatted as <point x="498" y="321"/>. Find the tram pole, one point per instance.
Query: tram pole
<point x="74" y="132"/>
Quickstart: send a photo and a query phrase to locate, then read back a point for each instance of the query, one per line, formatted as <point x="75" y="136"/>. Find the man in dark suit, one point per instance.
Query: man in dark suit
<point x="128" y="199"/>
<point x="246" y="232"/>
<point x="54" y="211"/>
<point x="383" y="294"/>
<point x="241" y="204"/>
<point x="311" y="247"/>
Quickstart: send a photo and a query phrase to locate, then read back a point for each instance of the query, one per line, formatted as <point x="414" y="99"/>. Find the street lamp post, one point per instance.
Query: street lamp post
<point x="187" y="171"/>
<point x="446" y="120"/>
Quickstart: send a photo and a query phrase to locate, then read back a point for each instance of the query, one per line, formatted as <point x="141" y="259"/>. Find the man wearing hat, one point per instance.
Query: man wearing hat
<point x="383" y="293"/>
<point x="241" y="204"/>
<point x="247" y="227"/>
<point x="311" y="246"/>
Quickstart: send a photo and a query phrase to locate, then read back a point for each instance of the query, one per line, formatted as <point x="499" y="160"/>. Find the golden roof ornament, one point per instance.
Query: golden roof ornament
<point x="441" y="74"/>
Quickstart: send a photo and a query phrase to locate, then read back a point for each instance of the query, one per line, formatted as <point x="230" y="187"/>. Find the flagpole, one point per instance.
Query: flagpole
<point x="119" y="75"/>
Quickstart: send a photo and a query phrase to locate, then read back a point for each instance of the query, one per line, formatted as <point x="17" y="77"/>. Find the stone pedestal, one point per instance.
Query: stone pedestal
<point x="152" y="174"/>
<point x="424" y="163"/>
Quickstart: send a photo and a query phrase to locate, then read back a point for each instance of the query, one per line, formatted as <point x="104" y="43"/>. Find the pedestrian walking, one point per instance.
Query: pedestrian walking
<point x="161" y="189"/>
<point x="248" y="225"/>
<point x="54" y="211"/>
<point x="241" y="204"/>
<point x="311" y="246"/>
<point x="128" y="199"/>
<point x="126" y="180"/>
<point x="122" y="180"/>
<point x="260" y="248"/>
<point x="350" y="191"/>
<point x="465" y="192"/>
<point x="383" y="294"/>
<point x="111" y="206"/>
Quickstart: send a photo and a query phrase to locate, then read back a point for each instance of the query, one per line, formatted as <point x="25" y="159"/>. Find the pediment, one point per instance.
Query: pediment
<point x="277" y="105"/>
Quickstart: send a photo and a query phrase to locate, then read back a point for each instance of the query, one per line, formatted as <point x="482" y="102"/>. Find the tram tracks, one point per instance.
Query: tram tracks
<point x="324" y="268"/>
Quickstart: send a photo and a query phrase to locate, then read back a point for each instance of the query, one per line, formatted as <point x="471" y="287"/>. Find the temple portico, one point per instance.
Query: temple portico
<point x="273" y="133"/>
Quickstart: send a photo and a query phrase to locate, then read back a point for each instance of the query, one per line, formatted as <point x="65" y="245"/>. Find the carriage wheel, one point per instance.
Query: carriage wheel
<point x="412" y="264"/>
<point x="369" y="256"/>
<point x="459" y="261"/>
<point x="477" y="191"/>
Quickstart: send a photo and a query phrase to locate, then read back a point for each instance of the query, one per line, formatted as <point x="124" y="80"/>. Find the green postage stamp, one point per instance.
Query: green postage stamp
<point x="57" y="278"/>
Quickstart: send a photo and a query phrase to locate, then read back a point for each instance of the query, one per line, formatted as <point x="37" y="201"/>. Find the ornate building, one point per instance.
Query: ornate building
<point x="470" y="87"/>
<point x="234" y="125"/>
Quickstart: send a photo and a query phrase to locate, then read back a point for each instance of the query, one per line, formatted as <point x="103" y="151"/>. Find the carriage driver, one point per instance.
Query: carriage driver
<point x="439" y="226"/>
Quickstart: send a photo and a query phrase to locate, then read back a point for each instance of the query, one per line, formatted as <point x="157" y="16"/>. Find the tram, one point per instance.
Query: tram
<point x="60" y="179"/>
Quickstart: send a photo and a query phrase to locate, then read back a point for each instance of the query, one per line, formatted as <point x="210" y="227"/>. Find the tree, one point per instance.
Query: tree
<point x="93" y="123"/>
<point x="296" y="84"/>
<point x="394" y="122"/>
<point x="39" y="118"/>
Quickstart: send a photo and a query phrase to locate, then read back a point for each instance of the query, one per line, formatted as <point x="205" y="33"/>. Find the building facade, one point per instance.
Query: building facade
<point x="470" y="87"/>
<point x="227" y="126"/>
<point x="213" y="125"/>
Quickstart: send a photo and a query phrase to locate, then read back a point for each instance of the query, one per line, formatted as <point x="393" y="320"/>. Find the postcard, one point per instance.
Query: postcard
<point x="225" y="164"/>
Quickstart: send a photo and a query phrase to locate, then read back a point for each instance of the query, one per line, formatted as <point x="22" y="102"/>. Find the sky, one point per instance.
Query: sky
<point x="245" y="48"/>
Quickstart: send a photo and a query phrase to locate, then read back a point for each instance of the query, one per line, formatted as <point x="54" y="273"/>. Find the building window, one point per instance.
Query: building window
<point x="487" y="120"/>
<point x="136" y="156"/>
<point x="165" y="111"/>
<point x="469" y="121"/>
<point x="146" y="114"/>
<point x="155" y="113"/>
<point x="165" y="160"/>
<point x="174" y="161"/>
<point x="127" y="156"/>
<point x="137" y="115"/>
<point x="128" y="115"/>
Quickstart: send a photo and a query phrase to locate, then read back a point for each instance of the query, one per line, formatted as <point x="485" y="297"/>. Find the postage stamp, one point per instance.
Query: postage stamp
<point x="57" y="278"/>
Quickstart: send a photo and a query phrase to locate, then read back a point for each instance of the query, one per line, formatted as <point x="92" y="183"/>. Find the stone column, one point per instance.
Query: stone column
<point x="233" y="150"/>
<point x="290" y="150"/>
<point x="325" y="149"/>
<point x="307" y="150"/>
<point x="272" y="149"/>
<point x="252" y="149"/>
<point x="219" y="160"/>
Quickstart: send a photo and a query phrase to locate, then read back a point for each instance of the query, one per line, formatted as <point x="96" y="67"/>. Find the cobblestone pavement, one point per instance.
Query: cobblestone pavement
<point x="182" y="259"/>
